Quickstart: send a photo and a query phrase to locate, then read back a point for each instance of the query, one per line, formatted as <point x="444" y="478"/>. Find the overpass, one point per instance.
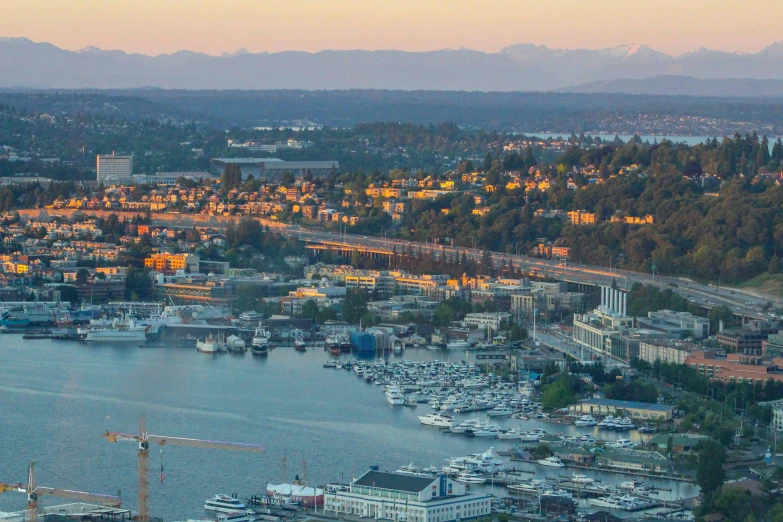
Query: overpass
<point x="707" y="296"/>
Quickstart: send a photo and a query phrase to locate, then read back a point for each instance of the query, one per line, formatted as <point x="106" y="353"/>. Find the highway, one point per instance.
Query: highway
<point x="706" y="296"/>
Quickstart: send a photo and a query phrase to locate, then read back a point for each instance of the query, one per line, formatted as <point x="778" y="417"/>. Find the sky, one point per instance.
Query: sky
<point x="217" y="26"/>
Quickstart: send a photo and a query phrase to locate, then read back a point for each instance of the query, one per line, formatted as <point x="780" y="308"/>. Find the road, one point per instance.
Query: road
<point x="706" y="296"/>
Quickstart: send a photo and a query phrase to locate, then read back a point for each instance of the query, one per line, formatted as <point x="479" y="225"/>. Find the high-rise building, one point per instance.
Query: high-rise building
<point x="114" y="169"/>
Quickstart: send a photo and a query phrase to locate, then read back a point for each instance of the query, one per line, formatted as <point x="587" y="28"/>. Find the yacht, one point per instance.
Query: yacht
<point x="512" y="434"/>
<point x="533" y="486"/>
<point x="531" y="436"/>
<point x="585" y="420"/>
<point x="556" y="493"/>
<point x="487" y="429"/>
<point x="237" y="516"/>
<point x="578" y="478"/>
<point x="224" y="504"/>
<point x="552" y="462"/>
<point x="500" y="411"/>
<point x="611" y="501"/>
<point x="395" y="396"/>
<point x="608" y="422"/>
<point x="625" y="424"/>
<point x="633" y="485"/>
<point x="466" y="426"/>
<point x="299" y="345"/>
<point x="434" y="419"/>
<point x="621" y="443"/>
<point x="457" y="344"/>
<point x="471" y="477"/>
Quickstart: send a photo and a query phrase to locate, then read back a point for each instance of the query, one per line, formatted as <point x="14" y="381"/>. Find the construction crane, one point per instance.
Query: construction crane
<point x="144" y="440"/>
<point x="33" y="491"/>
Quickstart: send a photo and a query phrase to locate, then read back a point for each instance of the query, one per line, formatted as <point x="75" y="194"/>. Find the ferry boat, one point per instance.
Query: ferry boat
<point x="552" y="462"/>
<point x="434" y="419"/>
<point x="224" y="504"/>
<point x="585" y="420"/>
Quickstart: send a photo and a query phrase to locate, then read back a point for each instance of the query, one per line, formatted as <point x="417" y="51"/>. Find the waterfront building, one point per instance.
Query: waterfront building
<point x="678" y="442"/>
<point x="639" y="461"/>
<point x="114" y="169"/>
<point x="638" y="411"/>
<point x="491" y="320"/>
<point x="395" y="496"/>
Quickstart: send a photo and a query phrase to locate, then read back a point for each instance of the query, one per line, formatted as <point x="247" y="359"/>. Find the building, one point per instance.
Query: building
<point x="170" y="263"/>
<point x="485" y="320"/>
<point x="677" y="324"/>
<point x="777" y="413"/>
<point x="114" y="170"/>
<point x="594" y="330"/>
<point x="273" y="168"/>
<point x="679" y="442"/>
<point x="394" y="496"/>
<point x="635" y="410"/>
<point x="735" y="367"/>
<point x="674" y="352"/>
<point x="644" y="461"/>
<point x="581" y="217"/>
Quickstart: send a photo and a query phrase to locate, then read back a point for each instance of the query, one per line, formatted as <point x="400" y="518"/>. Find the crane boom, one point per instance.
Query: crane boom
<point x="144" y="439"/>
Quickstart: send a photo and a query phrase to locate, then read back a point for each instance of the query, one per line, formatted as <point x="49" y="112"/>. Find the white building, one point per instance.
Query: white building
<point x="395" y="496"/>
<point x="677" y="324"/>
<point x="114" y="169"/>
<point x="594" y="330"/>
<point x="491" y="320"/>
<point x="674" y="352"/>
<point x="273" y="168"/>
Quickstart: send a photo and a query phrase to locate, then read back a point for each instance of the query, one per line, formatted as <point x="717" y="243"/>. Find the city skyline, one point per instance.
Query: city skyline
<point x="214" y="28"/>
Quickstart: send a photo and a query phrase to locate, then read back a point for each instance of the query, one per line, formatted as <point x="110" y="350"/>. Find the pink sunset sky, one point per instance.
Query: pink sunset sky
<point x="216" y="26"/>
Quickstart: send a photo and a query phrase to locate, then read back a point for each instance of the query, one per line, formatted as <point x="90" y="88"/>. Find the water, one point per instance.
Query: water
<point x="57" y="398"/>
<point x="688" y="140"/>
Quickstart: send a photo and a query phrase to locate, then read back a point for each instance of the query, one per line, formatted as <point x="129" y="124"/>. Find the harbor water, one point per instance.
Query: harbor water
<point x="57" y="399"/>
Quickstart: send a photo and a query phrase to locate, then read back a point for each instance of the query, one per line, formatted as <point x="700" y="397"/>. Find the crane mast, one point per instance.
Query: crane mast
<point x="144" y="439"/>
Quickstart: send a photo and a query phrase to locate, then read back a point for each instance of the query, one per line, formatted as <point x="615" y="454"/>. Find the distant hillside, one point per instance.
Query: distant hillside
<point x="686" y="86"/>
<point x="523" y="67"/>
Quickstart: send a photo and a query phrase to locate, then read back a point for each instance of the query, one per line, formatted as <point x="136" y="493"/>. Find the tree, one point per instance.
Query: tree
<point x="232" y="177"/>
<point x="709" y="472"/>
<point x="82" y="275"/>
<point x="354" y="306"/>
<point x="310" y="310"/>
<point x="774" y="265"/>
<point x="558" y="394"/>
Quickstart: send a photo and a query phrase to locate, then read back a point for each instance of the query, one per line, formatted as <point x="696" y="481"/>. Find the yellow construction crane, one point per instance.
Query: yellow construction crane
<point x="144" y="440"/>
<point x="34" y="491"/>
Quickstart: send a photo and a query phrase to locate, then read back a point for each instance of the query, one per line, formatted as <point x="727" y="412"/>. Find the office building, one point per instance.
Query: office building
<point x="677" y="324"/>
<point x="674" y="352"/>
<point x="170" y="263"/>
<point x="735" y="367"/>
<point x="594" y="330"/>
<point x="395" y="496"/>
<point x="114" y="170"/>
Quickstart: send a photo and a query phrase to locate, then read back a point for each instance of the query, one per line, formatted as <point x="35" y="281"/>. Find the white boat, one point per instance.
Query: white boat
<point x="557" y="493"/>
<point x="470" y="477"/>
<point x="435" y="419"/>
<point x="394" y="396"/>
<point x="552" y="462"/>
<point x="512" y="434"/>
<point x="500" y="411"/>
<point x="487" y="429"/>
<point x="120" y="331"/>
<point x="300" y="345"/>
<point x="585" y="420"/>
<point x="260" y="337"/>
<point x="578" y="478"/>
<point x="466" y="426"/>
<point x="625" y="424"/>
<point x="621" y="443"/>
<point x="531" y="436"/>
<point x="209" y="345"/>
<point x="224" y="504"/>
<point x="611" y="501"/>
<point x="235" y="344"/>
<point x="607" y="422"/>
<point x="457" y="344"/>
<point x="251" y="317"/>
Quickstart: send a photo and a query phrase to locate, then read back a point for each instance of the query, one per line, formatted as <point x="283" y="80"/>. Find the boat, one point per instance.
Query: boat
<point x="238" y="516"/>
<point x="296" y="493"/>
<point x="487" y="429"/>
<point x="552" y="462"/>
<point x="235" y="344"/>
<point x="209" y="345"/>
<point x="578" y="478"/>
<point x="251" y="317"/>
<point x="608" y="422"/>
<point x="531" y="436"/>
<point x="435" y="419"/>
<point x="457" y="344"/>
<point x="299" y="345"/>
<point x="470" y="477"/>
<point x="224" y="504"/>
<point x="621" y="443"/>
<point x="259" y="350"/>
<point x="632" y="485"/>
<point x="533" y="486"/>
<point x="120" y="331"/>
<point x="466" y="426"/>
<point x="556" y="493"/>
<point x="345" y="343"/>
<point x="411" y="402"/>
<point x="625" y="424"/>
<point x="611" y="501"/>
<point x="512" y="434"/>
<point x="646" y="429"/>
<point x="585" y="420"/>
<point x="394" y="396"/>
<point x="500" y="411"/>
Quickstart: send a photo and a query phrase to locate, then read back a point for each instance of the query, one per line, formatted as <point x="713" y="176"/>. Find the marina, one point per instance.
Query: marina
<point x="244" y="398"/>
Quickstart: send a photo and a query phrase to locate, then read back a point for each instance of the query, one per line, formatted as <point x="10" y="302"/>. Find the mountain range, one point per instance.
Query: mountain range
<point x="524" y="67"/>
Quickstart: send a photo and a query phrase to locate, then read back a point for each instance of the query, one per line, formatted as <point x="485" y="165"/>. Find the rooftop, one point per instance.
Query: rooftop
<point x="393" y="481"/>
<point x="628" y="404"/>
